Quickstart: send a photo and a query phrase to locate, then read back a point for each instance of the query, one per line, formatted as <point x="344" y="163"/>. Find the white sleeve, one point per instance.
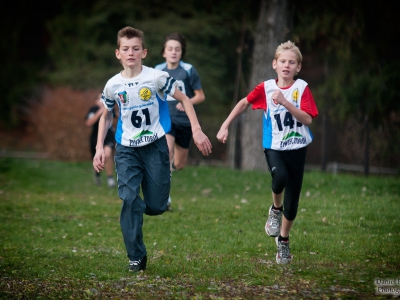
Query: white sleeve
<point x="165" y="84"/>
<point x="107" y="98"/>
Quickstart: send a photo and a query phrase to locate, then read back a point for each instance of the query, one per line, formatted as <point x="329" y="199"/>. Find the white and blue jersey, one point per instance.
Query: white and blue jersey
<point x="143" y="109"/>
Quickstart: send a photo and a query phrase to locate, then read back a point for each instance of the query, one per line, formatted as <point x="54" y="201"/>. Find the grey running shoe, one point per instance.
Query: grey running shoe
<point x="97" y="178"/>
<point x="169" y="206"/>
<point x="138" y="265"/>
<point x="273" y="225"/>
<point x="111" y="182"/>
<point x="283" y="255"/>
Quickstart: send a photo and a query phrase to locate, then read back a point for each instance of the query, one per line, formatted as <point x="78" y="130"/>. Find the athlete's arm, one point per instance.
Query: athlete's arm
<point x="201" y="140"/>
<point x="104" y="123"/>
<point x="240" y="107"/>
<point x="300" y="115"/>
<point x="198" y="98"/>
<point x="92" y="120"/>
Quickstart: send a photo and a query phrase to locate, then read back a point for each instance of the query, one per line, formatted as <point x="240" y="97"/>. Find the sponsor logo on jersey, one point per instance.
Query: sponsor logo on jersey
<point x="123" y="97"/>
<point x="143" y="133"/>
<point x="145" y="136"/>
<point x="295" y="95"/>
<point x="293" y="138"/>
<point x="145" y="93"/>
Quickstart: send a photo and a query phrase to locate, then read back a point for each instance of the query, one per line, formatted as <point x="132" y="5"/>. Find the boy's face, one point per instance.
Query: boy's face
<point x="172" y="51"/>
<point x="286" y="65"/>
<point x="130" y="52"/>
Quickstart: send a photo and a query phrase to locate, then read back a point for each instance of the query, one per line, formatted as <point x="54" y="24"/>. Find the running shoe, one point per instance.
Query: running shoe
<point x="110" y="182"/>
<point x="169" y="206"/>
<point x="138" y="265"/>
<point x="283" y="255"/>
<point x="273" y="225"/>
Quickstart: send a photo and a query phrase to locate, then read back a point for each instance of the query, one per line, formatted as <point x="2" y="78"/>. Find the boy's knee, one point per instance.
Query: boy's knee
<point x="109" y="156"/>
<point x="177" y="165"/>
<point x="277" y="189"/>
<point x="290" y="212"/>
<point x="151" y="211"/>
<point x="279" y="181"/>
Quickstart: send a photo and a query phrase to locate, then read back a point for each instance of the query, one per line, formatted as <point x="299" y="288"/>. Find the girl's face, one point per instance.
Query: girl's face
<point x="286" y="65"/>
<point x="172" y="52"/>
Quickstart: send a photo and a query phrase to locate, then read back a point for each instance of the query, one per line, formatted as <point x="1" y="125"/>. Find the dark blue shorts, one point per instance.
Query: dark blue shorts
<point x="109" y="140"/>
<point x="182" y="134"/>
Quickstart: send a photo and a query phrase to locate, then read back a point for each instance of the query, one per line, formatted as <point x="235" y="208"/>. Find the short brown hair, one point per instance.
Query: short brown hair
<point x="130" y="33"/>
<point x="177" y="37"/>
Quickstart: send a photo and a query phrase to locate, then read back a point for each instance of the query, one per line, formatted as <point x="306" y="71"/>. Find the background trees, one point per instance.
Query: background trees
<point x="350" y="62"/>
<point x="273" y="28"/>
<point x="359" y="65"/>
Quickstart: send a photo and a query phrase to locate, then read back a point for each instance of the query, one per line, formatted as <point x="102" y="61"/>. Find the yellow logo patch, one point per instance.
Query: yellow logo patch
<point x="295" y="95"/>
<point x="145" y="93"/>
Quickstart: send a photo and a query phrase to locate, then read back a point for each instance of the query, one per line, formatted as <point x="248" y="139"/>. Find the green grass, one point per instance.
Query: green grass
<point x="60" y="237"/>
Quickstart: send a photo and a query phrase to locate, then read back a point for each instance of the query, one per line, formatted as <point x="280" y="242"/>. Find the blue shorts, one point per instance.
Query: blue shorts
<point x="108" y="141"/>
<point x="182" y="134"/>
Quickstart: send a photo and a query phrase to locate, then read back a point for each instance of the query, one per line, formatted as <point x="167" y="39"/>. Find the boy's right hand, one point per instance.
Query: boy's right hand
<point x="222" y="135"/>
<point x="99" y="160"/>
<point x="202" y="142"/>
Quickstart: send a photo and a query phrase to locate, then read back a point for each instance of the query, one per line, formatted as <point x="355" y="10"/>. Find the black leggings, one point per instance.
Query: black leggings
<point x="287" y="169"/>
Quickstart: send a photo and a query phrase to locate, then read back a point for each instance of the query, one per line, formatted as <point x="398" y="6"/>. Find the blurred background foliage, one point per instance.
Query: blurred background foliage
<point x="72" y="43"/>
<point x="350" y="57"/>
<point x="87" y="42"/>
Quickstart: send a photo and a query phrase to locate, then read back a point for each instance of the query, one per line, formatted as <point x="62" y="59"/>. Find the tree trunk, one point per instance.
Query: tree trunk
<point x="325" y="125"/>
<point x="234" y="151"/>
<point x="324" y="140"/>
<point x="272" y="30"/>
<point x="367" y="145"/>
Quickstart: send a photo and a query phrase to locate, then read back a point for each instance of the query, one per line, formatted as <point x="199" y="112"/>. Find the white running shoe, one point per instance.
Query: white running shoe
<point x="111" y="182"/>
<point x="169" y="207"/>
<point x="138" y="265"/>
<point x="273" y="225"/>
<point x="283" y="255"/>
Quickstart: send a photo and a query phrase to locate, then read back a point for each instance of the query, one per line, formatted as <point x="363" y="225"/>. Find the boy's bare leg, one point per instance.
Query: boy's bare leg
<point x="180" y="157"/>
<point x="109" y="166"/>
<point x="286" y="226"/>
<point x="171" y="148"/>
<point x="277" y="198"/>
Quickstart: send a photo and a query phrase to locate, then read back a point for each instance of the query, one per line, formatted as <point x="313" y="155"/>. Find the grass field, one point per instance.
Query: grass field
<point x="60" y="237"/>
